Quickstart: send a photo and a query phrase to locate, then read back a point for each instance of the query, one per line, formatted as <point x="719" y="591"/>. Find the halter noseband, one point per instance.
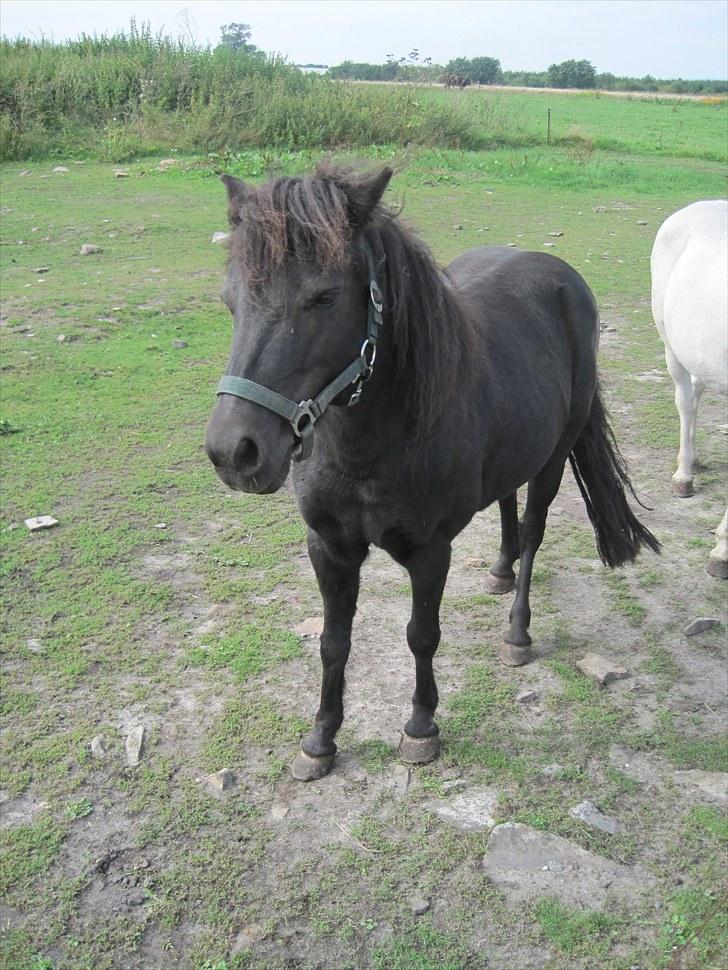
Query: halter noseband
<point x="302" y="417"/>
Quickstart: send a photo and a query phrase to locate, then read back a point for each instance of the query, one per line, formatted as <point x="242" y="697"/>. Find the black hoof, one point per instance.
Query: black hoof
<point x="514" y="656"/>
<point x="498" y="585"/>
<point x="718" y="568"/>
<point x="306" y="768"/>
<point x="419" y="751"/>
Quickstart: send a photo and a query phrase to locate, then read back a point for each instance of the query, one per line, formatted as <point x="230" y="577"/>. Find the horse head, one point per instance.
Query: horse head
<point x="300" y="288"/>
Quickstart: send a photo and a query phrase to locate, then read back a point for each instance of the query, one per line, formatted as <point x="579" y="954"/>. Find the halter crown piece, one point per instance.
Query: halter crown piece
<point x="302" y="417"/>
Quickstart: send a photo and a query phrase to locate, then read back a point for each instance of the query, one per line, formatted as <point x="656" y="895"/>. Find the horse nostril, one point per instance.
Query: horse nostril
<point x="214" y="457"/>
<point x="246" y="456"/>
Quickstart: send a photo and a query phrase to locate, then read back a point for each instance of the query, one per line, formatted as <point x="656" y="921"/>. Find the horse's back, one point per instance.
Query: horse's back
<point x="520" y="296"/>
<point x="690" y="289"/>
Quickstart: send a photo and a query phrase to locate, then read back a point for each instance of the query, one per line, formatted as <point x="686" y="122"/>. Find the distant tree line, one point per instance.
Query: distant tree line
<point x="580" y="75"/>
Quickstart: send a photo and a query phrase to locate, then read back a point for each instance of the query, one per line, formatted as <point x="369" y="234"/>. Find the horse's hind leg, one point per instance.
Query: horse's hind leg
<point x="428" y="570"/>
<point x="687" y="394"/>
<point x="718" y="561"/>
<point x="501" y="578"/>
<point x="337" y="571"/>
<point x="541" y="493"/>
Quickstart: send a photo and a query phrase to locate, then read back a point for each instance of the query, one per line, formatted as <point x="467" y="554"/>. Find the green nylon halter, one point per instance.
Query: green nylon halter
<point x="302" y="417"/>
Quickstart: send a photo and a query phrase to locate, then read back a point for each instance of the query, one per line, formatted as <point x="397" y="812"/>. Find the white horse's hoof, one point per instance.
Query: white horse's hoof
<point x="718" y="568"/>
<point x="683" y="489"/>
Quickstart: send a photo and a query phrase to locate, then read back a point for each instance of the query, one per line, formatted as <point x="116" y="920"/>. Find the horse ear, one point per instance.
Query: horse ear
<point x="365" y="194"/>
<point x="239" y="193"/>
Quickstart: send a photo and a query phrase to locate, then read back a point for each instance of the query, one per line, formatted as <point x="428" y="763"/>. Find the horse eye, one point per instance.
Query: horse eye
<point x="324" y="298"/>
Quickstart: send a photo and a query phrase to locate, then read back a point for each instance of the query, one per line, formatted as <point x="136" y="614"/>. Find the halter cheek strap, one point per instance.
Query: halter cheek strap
<point x="303" y="416"/>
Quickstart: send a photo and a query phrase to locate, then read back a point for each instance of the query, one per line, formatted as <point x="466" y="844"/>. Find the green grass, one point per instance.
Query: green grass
<point x="108" y="619"/>
<point x="574" y="932"/>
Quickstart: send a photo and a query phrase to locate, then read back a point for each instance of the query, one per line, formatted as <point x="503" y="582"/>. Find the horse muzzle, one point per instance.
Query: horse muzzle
<point x="250" y="448"/>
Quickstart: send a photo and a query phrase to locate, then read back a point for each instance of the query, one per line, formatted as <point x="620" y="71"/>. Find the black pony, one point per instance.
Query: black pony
<point x="424" y="397"/>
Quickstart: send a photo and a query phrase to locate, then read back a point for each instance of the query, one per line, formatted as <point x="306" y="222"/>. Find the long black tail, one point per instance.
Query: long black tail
<point x="601" y="474"/>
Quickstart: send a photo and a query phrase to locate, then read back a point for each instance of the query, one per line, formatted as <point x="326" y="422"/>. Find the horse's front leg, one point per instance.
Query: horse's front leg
<point x="337" y="572"/>
<point x="428" y="570"/>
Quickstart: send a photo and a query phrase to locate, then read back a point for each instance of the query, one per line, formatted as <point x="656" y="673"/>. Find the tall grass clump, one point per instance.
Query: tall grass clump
<point x="114" y="97"/>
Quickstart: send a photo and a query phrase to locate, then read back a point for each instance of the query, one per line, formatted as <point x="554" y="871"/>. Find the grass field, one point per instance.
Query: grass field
<point x="161" y="599"/>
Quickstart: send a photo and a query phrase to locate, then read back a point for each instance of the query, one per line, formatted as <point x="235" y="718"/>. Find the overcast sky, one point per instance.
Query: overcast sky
<point x="665" y="38"/>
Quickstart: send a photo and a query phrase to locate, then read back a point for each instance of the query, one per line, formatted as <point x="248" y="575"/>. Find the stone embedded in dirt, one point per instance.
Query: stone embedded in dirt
<point x="700" y="625"/>
<point x="526" y="696"/>
<point x="312" y="627"/>
<point x="471" y="811"/>
<point x="712" y="783"/>
<point x="41" y="522"/>
<point x="161" y="525"/>
<point x="121" y="173"/>
<point x="60" y="169"/>
<point x="279" y="811"/>
<point x="476" y="563"/>
<point x="179" y="344"/>
<point x="401" y="776"/>
<point x="527" y="864"/>
<point x="98" y="747"/>
<point x="34" y="645"/>
<point x="548" y="245"/>
<point x="589" y="814"/>
<point x="135" y="745"/>
<point x="419" y="905"/>
<point x="223" y="780"/>
<point x="552" y="770"/>
<point x="42" y="269"/>
<point x="166" y="163"/>
<point x="88" y="249"/>
<point x="601" y="669"/>
<point x="220" y="237"/>
<point x="642" y="222"/>
<point x="556" y="234"/>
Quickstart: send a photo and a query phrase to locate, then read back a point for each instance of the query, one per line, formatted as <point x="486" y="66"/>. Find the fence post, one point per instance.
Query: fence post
<point x="548" y="127"/>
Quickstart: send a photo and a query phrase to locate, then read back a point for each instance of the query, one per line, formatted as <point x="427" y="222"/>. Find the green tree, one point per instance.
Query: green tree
<point x="478" y="70"/>
<point x="237" y="37"/>
<point x="572" y="74"/>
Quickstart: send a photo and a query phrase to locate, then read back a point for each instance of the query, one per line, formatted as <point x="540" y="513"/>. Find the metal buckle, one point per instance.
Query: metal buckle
<point x="375" y="295"/>
<point x="304" y="421"/>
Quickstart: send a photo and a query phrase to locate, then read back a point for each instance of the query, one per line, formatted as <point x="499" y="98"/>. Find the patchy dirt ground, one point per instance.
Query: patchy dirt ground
<point x="302" y="872"/>
<point x="113" y="867"/>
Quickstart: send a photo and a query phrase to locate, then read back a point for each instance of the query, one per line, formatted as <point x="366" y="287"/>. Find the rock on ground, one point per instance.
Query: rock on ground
<point x="712" y="783"/>
<point x="223" y="780"/>
<point x="600" y="668"/>
<point x="589" y="814"/>
<point x="470" y="811"/>
<point x="135" y="745"/>
<point x="527" y="864"/>
<point x="41" y="522"/>
<point x="700" y="625"/>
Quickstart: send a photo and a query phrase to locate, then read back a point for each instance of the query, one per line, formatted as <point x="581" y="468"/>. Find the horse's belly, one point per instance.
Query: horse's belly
<point x="696" y="319"/>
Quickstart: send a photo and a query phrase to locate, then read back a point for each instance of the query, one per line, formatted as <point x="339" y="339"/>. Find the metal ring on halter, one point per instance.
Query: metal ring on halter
<point x="368" y="345"/>
<point x="375" y="294"/>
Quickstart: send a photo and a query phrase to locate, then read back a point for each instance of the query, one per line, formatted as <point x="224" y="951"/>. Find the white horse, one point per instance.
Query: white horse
<point x="690" y="306"/>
